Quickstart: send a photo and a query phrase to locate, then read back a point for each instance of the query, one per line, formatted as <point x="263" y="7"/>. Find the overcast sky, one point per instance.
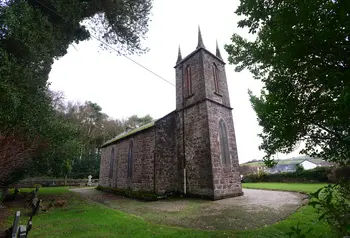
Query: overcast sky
<point x="122" y="88"/>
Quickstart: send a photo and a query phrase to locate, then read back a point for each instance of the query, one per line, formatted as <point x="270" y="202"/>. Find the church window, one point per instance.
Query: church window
<point x="188" y="81"/>
<point x="130" y="157"/>
<point x="224" y="147"/>
<point x="111" y="163"/>
<point x="216" y="78"/>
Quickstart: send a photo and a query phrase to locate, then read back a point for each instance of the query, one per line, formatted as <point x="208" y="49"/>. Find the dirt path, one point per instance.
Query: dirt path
<point x="255" y="209"/>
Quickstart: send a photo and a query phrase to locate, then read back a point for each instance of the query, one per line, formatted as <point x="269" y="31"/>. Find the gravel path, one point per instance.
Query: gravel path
<point x="256" y="199"/>
<point x="257" y="208"/>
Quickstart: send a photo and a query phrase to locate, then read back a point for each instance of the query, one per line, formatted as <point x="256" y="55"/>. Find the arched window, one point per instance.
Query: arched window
<point x="216" y="78"/>
<point x="111" y="163"/>
<point x="224" y="148"/>
<point x="130" y="155"/>
<point x="188" y="77"/>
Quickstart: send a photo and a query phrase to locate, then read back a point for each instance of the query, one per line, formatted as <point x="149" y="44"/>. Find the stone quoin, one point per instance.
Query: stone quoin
<point x="192" y="150"/>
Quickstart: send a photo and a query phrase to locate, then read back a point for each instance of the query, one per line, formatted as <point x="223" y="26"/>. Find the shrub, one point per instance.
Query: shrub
<point x="317" y="175"/>
<point x="297" y="231"/>
<point x="333" y="205"/>
<point x="299" y="169"/>
<point x="60" y="203"/>
<point x="37" y="185"/>
<point x="56" y="203"/>
<point x="339" y="174"/>
<point x="251" y="178"/>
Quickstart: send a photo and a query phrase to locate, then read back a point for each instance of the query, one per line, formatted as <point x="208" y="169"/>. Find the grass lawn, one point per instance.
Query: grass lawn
<point x="297" y="187"/>
<point x="83" y="218"/>
<point x="46" y="190"/>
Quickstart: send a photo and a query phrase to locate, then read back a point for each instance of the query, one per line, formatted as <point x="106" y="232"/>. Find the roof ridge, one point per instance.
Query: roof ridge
<point x="129" y="133"/>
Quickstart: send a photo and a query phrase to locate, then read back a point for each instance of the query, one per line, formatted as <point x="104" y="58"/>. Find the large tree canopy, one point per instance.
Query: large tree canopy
<point x="77" y="133"/>
<point x="302" y="55"/>
<point x="72" y="144"/>
<point x="32" y="34"/>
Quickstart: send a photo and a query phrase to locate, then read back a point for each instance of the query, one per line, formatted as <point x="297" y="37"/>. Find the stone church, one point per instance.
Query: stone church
<point x="192" y="150"/>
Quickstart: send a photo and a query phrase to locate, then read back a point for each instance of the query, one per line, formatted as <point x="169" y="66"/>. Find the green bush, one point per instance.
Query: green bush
<point x="333" y="205"/>
<point x="339" y="174"/>
<point x="317" y="175"/>
<point x="37" y="185"/>
<point x="299" y="169"/>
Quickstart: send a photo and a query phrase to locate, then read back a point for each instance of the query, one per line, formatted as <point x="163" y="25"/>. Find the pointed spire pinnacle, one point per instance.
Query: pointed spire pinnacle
<point x="200" y="40"/>
<point x="218" y="54"/>
<point x="179" y="56"/>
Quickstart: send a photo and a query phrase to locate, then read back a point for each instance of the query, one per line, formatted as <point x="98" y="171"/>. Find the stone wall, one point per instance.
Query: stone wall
<point x="179" y="132"/>
<point x="104" y="166"/>
<point x="179" y="86"/>
<point x="142" y="164"/>
<point x="199" y="115"/>
<point x="52" y="182"/>
<point x="186" y="138"/>
<point x="198" y="84"/>
<point x="197" y="151"/>
<point x="223" y="95"/>
<point x="166" y="162"/>
<point x="226" y="177"/>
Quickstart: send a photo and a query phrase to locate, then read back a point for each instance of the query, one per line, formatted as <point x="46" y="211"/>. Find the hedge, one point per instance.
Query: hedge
<point x="339" y="174"/>
<point x="317" y="175"/>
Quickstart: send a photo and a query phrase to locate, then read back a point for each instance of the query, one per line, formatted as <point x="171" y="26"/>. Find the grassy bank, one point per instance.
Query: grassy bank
<point x="83" y="218"/>
<point x="295" y="187"/>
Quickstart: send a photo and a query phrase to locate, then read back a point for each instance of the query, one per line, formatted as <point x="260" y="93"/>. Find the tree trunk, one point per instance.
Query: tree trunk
<point x="65" y="180"/>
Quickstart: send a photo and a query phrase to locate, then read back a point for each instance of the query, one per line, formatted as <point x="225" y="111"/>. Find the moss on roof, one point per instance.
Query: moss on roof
<point x="129" y="133"/>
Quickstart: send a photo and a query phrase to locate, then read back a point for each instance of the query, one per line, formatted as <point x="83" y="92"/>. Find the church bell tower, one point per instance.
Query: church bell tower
<point x="205" y="135"/>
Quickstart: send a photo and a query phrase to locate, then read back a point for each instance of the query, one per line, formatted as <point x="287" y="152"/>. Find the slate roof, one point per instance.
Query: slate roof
<point x="129" y="133"/>
<point x="134" y="131"/>
<point x="294" y="161"/>
<point x="282" y="168"/>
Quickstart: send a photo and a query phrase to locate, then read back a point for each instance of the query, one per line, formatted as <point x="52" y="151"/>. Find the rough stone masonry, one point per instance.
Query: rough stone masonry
<point x="192" y="150"/>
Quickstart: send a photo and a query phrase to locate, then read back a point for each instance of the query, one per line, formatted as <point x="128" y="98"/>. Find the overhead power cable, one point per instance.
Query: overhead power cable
<point x="109" y="46"/>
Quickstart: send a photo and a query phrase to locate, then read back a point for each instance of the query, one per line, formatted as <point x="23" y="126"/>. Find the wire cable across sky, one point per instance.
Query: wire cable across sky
<point x="109" y="46"/>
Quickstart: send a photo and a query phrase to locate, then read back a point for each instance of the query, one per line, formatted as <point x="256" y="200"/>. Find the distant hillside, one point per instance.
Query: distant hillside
<point x="294" y="160"/>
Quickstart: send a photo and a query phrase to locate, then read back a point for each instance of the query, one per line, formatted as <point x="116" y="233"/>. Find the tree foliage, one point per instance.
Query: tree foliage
<point x="302" y="55"/>
<point x="79" y="132"/>
<point x="18" y="150"/>
<point x="32" y="34"/>
<point x="333" y="205"/>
